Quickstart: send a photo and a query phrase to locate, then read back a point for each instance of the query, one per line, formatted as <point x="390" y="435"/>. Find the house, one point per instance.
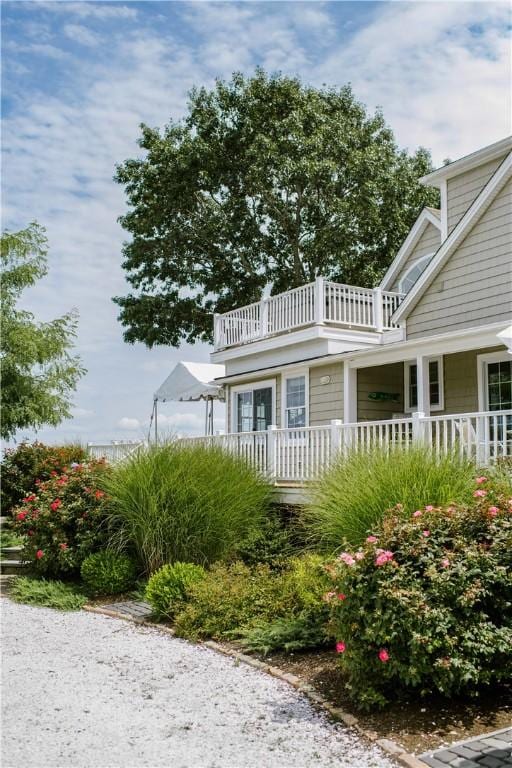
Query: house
<point x="327" y="366"/>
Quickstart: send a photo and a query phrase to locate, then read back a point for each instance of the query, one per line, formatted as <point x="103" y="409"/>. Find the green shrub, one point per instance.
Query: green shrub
<point x="350" y="499"/>
<point x="25" y="466"/>
<point x="187" y="503"/>
<point x="108" y="573"/>
<point x="271" y="544"/>
<point x="229" y="599"/>
<point x="428" y="605"/>
<point x="167" y="589"/>
<point x="64" y="520"/>
<point x="303" y="622"/>
<point x="51" y="594"/>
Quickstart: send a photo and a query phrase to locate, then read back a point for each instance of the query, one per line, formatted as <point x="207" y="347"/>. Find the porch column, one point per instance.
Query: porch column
<point x="349" y="393"/>
<point x="423" y="385"/>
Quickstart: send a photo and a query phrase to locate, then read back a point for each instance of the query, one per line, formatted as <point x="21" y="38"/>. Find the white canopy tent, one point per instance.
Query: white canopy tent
<point x="190" y="382"/>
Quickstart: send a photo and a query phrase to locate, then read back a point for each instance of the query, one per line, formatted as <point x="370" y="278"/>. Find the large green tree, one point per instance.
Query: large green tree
<point x="265" y="179"/>
<point x="38" y="372"/>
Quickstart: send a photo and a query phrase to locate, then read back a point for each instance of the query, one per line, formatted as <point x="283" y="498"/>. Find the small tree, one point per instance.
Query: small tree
<point x="38" y="372"/>
<point x="266" y="179"/>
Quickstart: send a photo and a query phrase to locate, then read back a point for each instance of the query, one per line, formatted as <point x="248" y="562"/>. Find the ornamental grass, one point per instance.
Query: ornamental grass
<point x="352" y="496"/>
<point x="182" y="502"/>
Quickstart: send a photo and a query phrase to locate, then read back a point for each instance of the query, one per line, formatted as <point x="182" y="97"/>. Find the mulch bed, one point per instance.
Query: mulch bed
<point x="418" y="725"/>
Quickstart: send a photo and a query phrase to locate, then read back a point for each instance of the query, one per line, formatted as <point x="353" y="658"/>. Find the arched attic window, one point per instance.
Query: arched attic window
<point x="408" y="279"/>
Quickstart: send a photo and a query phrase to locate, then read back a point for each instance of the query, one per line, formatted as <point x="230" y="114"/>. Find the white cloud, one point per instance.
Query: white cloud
<point x="37" y="49"/>
<point x="129" y="424"/>
<point x="80" y="34"/>
<point x="440" y="71"/>
<point x="82" y="413"/>
<point x="98" y="10"/>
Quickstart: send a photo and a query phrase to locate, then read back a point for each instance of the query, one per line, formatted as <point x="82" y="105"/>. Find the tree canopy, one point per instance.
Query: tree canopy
<point x="264" y="180"/>
<point x="38" y="372"/>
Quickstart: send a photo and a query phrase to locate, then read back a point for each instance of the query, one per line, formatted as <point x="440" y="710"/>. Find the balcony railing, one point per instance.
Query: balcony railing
<point x="321" y="302"/>
<point x="300" y="455"/>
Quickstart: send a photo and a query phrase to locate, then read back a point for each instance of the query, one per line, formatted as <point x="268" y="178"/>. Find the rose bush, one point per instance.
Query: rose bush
<point x="64" y="520"/>
<point x="428" y="601"/>
<point x="28" y="462"/>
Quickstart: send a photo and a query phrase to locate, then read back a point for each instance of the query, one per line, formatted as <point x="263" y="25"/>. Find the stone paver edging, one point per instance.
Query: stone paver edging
<point x="387" y="745"/>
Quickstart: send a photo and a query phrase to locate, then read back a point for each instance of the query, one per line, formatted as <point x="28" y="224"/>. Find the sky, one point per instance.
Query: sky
<point x="79" y="77"/>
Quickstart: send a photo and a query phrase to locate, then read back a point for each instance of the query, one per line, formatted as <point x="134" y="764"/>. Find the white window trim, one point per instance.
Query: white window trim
<point x="294" y="375"/>
<point x="427" y="256"/>
<point x="407" y="364"/>
<point x="263" y="384"/>
<point x="482" y="362"/>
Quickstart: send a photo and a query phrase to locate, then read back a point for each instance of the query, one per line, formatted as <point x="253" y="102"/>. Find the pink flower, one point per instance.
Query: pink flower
<point x="418" y="513"/>
<point x="63" y="545"/>
<point x="342" y="597"/>
<point x="21" y="516"/>
<point x="383" y="655"/>
<point x="383" y="558"/>
<point x="479" y="493"/>
<point x="340" y="647"/>
<point x="480" y="480"/>
<point x="99" y="494"/>
<point x="30" y="498"/>
<point x="371" y="539"/>
<point x="30" y="533"/>
<point x="492" y="511"/>
<point x="445" y="562"/>
<point x="359" y="555"/>
<point x="426" y="533"/>
<point x="39" y="554"/>
<point x="54" y="506"/>
<point x="429" y="508"/>
<point x="328" y="596"/>
<point x="346" y="558"/>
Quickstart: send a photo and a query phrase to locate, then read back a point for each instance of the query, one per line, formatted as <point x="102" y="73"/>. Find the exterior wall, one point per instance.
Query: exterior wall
<point x="473" y="288"/>
<point x="462" y="190"/>
<point x="461" y="380"/>
<point x="325" y="400"/>
<point x="429" y="242"/>
<point x="379" y="378"/>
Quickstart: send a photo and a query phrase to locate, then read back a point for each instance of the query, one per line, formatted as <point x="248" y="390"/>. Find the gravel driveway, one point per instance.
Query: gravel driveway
<point x="81" y="689"/>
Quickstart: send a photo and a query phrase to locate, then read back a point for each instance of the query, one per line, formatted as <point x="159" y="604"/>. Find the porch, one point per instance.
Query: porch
<point x="300" y="455"/>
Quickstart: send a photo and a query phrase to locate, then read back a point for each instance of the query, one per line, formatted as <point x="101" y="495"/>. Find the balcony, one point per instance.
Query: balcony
<point x="319" y="303"/>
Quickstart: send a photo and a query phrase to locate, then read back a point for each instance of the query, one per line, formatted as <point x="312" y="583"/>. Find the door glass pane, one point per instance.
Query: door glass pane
<point x="413" y="386"/>
<point x="244" y="412"/>
<point x="262" y="408"/>
<point x="296" y="402"/>
<point x="499" y="385"/>
<point x="433" y="377"/>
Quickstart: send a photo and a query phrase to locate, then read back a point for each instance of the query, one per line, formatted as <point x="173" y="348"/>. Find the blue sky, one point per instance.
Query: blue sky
<point x="79" y="77"/>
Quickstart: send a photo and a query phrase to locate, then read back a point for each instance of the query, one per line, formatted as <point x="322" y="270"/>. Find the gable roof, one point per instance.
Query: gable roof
<point x="466" y="163"/>
<point x="488" y="193"/>
<point x="426" y="217"/>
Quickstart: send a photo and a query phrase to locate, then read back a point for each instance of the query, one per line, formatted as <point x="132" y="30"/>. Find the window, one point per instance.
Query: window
<point x="252" y="407"/>
<point x="413" y="273"/>
<point x="295" y="402"/>
<point x="435" y="385"/>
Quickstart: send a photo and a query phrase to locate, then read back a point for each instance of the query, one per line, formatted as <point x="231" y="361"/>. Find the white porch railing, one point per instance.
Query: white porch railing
<point x="315" y="303"/>
<point x="116" y="450"/>
<point x="299" y="455"/>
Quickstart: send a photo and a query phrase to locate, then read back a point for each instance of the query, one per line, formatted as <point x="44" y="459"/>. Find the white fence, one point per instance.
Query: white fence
<point x="116" y="450"/>
<point x="299" y="455"/>
<point x="319" y="302"/>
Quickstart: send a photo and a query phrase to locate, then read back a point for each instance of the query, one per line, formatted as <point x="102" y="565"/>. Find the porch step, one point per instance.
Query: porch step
<point x="13" y="567"/>
<point x="6" y="581"/>
<point x="13" y="553"/>
<point x="5" y="520"/>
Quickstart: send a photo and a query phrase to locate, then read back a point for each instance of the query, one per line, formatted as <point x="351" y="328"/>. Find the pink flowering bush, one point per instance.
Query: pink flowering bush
<point x="428" y="608"/>
<point x="63" y="520"/>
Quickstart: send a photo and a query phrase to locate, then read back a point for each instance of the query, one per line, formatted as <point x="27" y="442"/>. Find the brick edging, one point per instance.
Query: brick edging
<point x="387" y="745"/>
